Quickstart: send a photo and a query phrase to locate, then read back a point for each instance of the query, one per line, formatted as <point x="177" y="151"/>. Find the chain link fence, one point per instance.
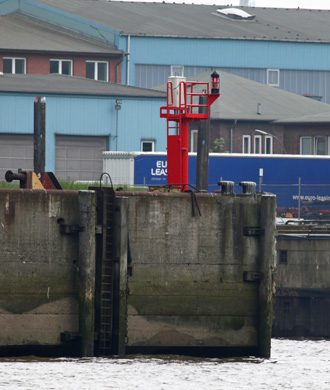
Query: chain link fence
<point x="296" y="200"/>
<point x="301" y="200"/>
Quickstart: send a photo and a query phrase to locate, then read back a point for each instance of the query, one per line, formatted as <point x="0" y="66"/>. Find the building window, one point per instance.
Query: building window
<point x="319" y="146"/>
<point x="61" y="67"/>
<point x="268" y="145"/>
<point x="305" y="145"/>
<point x="193" y="141"/>
<point x="147" y="146"/>
<point x="257" y="144"/>
<point x="273" y="77"/>
<point x="246" y="144"/>
<point x="315" y="145"/>
<point x="97" y="70"/>
<point x="14" y="65"/>
<point x="177" y="70"/>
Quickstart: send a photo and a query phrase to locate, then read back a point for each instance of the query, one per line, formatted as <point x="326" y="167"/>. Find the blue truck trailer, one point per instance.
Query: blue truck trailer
<point x="292" y="178"/>
<point x="298" y="181"/>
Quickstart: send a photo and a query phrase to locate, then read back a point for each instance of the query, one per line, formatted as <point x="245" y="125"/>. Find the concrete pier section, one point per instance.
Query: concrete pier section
<point x="201" y="273"/>
<point x="39" y="272"/>
<point x="185" y="273"/>
<point x="303" y="279"/>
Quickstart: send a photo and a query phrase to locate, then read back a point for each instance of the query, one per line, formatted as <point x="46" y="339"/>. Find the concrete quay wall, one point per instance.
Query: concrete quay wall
<point x="39" y="277"/>
<point x="192" y="276"/>
<point x="303" y="281"/>
<point x="192" y="272"/>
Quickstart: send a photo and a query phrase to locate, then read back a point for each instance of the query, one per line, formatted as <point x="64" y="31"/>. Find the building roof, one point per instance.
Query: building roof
<point x="201" y="21"/>
<point x="69" y="85"/>
<point x="238" y="101"/>
<point x="240" y="98"/>
<point x="20" y="33"/>
<point x="320" y="118"/>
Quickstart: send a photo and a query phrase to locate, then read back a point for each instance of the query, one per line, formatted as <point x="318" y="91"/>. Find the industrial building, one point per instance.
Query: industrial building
<point x="83" y="119"/>
<point x="86" y="117"/>
<point x="96" y="46"/>
<point x="141" y="44"/>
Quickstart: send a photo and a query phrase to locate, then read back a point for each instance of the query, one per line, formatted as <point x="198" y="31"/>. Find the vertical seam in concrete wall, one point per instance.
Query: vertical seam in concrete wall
<point x="87" y="219"/>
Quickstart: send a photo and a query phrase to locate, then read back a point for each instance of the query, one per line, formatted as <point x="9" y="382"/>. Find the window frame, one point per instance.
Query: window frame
<point x="148" y="141"/>
<point x="271" y="84"/>
<point x="60" y="63"/>
<point x="310" y="146"/>
<point x="13" y="64"/>
<point x="96" y="69"/>
<point x="259" y="138"/>
<point x="316" y="137"/>
<point x="248" y="137"/>
<point x="270" y="138"/>
<point x="193" y="141"/>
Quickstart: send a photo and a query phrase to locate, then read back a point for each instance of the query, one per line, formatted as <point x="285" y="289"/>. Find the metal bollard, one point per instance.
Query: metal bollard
<point x="227" y="187"/>
<point x="249" y="187"/>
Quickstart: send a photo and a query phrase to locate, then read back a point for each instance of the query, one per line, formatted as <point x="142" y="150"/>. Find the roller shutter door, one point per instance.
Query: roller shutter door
<point x="79" y="158"/>
<point x="16" y="151"/>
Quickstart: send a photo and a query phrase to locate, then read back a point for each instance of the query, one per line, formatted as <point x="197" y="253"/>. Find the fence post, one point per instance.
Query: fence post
<point x="261" y="174"/>
<point x="299" y="200"/>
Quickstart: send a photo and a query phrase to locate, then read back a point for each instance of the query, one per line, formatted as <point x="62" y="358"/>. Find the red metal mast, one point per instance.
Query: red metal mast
<point x="183" y="106"/>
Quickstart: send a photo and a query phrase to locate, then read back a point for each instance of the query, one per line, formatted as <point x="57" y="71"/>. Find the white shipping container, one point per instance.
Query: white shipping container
<point x="120" y="167"/>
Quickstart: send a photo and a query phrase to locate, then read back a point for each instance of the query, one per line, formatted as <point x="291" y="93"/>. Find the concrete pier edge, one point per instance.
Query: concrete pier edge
<point x="87" y="220"/>
<point x="267" y="268"/>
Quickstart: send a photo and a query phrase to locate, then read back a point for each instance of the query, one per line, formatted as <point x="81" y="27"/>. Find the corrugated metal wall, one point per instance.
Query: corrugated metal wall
<point x="246" y="54"/>
<point x="139" y="118"/>
<point x="296" y="81"/>
<point x="120" y="167"/>
<point x="79" y="158"/>
<point x="16" y="113"/>
<point x="301" y="82"/>
<point x="16" y="152"/>
<point x="150" y="76"/>
<point x="299" y="72"/>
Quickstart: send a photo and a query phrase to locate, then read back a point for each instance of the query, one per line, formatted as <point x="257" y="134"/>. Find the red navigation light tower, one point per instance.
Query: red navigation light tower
<point x="187" y="101"/>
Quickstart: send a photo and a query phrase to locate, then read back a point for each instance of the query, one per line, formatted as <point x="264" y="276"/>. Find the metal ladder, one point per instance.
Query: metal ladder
<point x="104" y="270"/>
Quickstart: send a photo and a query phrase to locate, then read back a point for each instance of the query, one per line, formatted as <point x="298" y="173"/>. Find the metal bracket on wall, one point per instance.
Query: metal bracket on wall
<point x="193" y="202"/>
<point x="253" y="231"/>
<point x="251" y="276"/>
<point x="67" y="336"/>
<point x="98" y="229"/>
<point x="69" y="229"/>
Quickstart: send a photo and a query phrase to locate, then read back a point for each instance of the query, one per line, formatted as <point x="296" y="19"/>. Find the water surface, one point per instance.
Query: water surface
<point x="302" y="365"/>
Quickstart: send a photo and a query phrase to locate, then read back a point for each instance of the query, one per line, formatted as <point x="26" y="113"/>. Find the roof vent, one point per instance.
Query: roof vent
<point x="235" y="13"/>
<point x="308" y="95"/>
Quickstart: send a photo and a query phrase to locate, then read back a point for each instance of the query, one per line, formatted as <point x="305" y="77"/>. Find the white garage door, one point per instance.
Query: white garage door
<point x="16" y="151"/>
<point x="79" y="158"/>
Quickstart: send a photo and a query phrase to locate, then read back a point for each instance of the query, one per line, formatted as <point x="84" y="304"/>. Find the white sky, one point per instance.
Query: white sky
<point x="310" y="4"/>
